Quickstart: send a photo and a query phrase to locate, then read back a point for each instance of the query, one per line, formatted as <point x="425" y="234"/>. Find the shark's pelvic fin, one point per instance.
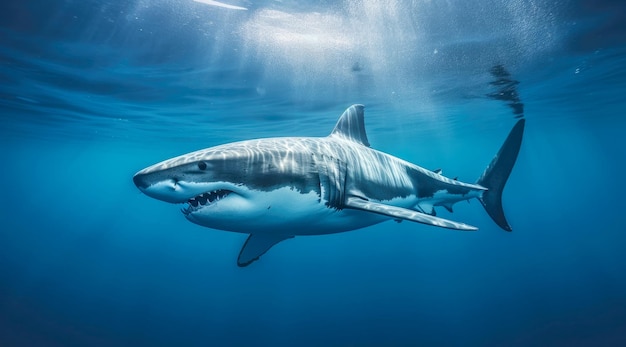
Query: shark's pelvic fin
<point x="256" y="245"/>
<point x="403" y="213"/>
<point x="426" y="208"/>
<point x="351" y="125"/>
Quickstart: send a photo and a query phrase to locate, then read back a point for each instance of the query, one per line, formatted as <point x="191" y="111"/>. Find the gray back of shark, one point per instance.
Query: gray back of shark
<point x="277" y="188"/>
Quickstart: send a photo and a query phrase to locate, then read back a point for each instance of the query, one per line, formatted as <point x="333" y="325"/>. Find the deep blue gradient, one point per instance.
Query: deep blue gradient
<point x="93" y="91"/>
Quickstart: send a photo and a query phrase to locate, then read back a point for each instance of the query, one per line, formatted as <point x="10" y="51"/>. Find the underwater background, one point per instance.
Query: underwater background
<point x="93" y="91"/>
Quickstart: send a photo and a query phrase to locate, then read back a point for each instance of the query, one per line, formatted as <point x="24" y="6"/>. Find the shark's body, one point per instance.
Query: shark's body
<point x="278" y="188"/>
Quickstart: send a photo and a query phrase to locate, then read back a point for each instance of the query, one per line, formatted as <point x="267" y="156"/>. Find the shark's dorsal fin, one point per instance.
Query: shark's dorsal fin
<point x="351" y="125"/>
<point x="404" y="213"/>
<point x="256" y="245"/>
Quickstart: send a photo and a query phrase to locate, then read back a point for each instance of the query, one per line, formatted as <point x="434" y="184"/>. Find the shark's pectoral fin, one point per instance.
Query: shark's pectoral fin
<point x="404" y="213"/>
<point x="256" y="245"/>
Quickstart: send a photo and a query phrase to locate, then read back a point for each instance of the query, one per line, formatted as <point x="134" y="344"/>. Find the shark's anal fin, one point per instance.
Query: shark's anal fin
<point x="403" y="213"/>
<point x="256" y="245"/>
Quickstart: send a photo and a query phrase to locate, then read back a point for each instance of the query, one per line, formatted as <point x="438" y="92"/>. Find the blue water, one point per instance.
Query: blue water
<point x="93" y="91"/>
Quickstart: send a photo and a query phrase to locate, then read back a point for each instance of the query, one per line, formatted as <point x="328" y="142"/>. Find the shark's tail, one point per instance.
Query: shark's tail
<point x="498" y="172"/>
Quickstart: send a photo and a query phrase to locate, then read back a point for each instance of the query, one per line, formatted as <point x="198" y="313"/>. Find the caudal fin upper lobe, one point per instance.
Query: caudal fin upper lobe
<point x="497" y="173"/>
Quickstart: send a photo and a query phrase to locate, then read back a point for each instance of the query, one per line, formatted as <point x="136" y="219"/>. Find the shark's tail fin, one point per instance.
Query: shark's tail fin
<point x="497" y="173"/>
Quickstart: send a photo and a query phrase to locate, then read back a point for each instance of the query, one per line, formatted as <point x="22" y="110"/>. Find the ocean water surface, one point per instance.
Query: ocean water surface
<point x="93" y="91"/>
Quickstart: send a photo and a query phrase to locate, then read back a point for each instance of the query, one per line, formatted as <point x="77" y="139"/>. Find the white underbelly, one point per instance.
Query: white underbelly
<point x="283" y="211"/>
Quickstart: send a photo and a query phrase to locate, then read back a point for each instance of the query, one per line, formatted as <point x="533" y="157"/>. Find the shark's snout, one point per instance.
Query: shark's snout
<point x="140" y="181"/>
<point x="166" y="190"/>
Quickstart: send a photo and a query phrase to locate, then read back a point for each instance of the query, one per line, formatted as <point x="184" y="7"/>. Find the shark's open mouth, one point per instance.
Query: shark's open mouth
<point x="205" y="199"/>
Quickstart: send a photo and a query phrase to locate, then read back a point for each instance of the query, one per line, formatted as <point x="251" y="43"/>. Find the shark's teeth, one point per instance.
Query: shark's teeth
<point x="205" y="199"/>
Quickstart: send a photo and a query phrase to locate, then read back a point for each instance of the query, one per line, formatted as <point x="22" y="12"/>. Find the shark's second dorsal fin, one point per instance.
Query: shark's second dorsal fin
<point x="351" y="125"/>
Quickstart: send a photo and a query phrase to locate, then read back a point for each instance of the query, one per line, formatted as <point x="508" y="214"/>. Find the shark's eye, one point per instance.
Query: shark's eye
<point x="202" y="165"/>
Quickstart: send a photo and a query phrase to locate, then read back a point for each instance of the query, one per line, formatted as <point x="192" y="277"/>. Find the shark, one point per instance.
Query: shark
<point x="274" y="189"/>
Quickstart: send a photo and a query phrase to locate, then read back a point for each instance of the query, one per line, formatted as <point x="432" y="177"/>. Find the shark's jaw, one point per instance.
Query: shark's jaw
<point x="205" y="200"/>
<point x="197" y="197"/>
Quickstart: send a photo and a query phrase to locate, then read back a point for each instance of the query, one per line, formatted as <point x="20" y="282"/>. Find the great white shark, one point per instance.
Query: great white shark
<point x="276" y="188"/>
